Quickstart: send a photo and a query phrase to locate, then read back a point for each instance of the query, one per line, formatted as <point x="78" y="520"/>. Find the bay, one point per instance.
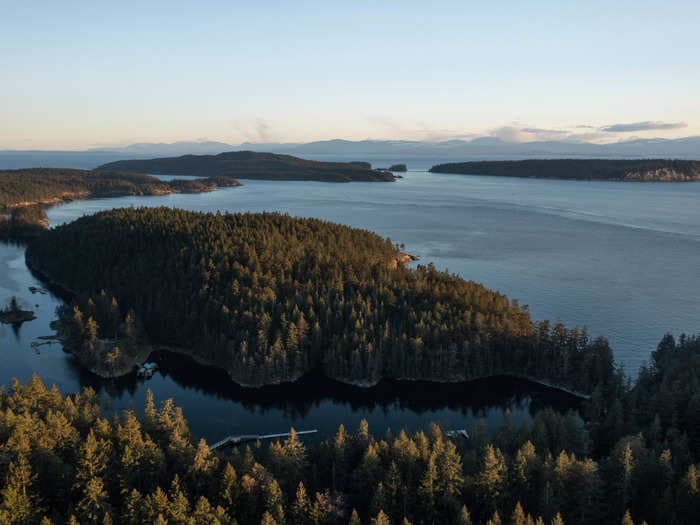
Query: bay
<point x="619" y="258"/>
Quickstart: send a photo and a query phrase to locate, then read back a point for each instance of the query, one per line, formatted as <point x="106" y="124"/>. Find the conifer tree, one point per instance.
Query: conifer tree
<point x="18" y="502"/>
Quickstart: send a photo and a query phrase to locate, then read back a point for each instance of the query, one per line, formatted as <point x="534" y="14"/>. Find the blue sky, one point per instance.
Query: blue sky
<point x="81" y="74"/>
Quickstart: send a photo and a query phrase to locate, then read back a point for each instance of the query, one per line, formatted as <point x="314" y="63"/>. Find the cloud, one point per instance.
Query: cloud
<point x="577" y="133"/>
<point x="643" y="126"/>
<point x="591" y="136"/>
<point x="256" y="130"/>
<point x="512" y="134"/>
<point x="528" y="134"/>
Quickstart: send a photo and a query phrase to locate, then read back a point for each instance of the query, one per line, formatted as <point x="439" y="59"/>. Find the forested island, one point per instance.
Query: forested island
<point x="254" y="165"/>
<point x="639" y="170"/>
<point x="25" y="192"/>
<point x="13" y="314"/>
<point x="268" y="298"/>
<point x="632" y="461"/>
<point x="398" y="168"/>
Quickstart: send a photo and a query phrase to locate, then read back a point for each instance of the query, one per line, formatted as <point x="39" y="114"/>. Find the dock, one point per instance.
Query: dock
<point x="237" y="440"/>
<point x="457" y="433"/>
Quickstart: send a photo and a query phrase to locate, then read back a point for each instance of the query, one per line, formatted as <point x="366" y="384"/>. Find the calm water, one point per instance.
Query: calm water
<point x="619" y="258"/>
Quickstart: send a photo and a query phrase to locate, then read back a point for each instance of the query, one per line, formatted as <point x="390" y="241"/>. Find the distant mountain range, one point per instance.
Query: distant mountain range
<point x="418" y="155"/>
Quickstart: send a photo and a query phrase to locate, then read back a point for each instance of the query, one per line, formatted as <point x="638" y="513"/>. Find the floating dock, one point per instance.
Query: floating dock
<point x="246" y="438"/>
<point x="457" y="433"/>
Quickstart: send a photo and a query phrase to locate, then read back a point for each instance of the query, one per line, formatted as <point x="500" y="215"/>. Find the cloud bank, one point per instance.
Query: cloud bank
<point x="647" y="125"/>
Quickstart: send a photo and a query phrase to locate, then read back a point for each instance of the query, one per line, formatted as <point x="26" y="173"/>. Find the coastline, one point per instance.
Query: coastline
<point x="146" y="350"/>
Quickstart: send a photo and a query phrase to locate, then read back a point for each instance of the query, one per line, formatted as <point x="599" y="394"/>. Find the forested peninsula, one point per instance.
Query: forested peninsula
<point x="254" y="165"/>
<point x="640" y="170"/>
<point x="268" y="298"/>
<point x="24" y="193"/>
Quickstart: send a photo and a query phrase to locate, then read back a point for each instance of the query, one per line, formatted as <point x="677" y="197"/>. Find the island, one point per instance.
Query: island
<point x="254" y="165"/>
<point x="24" y="193"/>
<point x="398" y="168"/>
<point x="638" y="170"/>
<point x="269" y="298"/>
<point x="14" y="315"/>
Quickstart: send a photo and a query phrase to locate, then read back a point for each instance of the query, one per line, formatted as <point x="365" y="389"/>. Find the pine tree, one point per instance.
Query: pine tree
<point x="92" y="461"/>
<point x="228" y="487"/>
<point x="464" y="516"/>
<point x="203" y="466"/>
<point x="381" y="519"/>
<point x="150" y="415"/>
<point x="518" y="517"/>
<point x="426" y="489"/>
<point x="178" y="503"/>
<point x="301" y="508"/>
<point x="93" y="505"/>
<point x="491" y="478"/>
<point x="495" y="519"/>
<point x="354" y="518"/>
<point x="19" y="504"/>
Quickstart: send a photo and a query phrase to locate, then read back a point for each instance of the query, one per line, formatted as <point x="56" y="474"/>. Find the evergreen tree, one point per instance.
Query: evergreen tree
<point x="19" y="503"/>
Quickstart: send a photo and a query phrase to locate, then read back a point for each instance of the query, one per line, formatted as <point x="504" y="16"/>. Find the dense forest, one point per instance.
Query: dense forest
<point x="49" y="185"/>
<point x="633" y="461"/>
<point x="23" y="223"/>
<point x="254" y="165"/>
<point x="269" y="297"/>
<point x="24" y="192"/>
<point x="658" y="170"/>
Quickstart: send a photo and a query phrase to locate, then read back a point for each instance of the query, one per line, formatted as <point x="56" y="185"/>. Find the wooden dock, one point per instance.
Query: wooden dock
<point x="246" y="438"/>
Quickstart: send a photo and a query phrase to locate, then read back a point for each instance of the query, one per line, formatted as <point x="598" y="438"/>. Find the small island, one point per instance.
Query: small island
<point x="25" y="193"/>
<point x="254" y="165"/>
<point x="270" y="298"/>
<point x="638" y="170"/>
<point x="14" y="315"/>
<point x="399" y="168"/>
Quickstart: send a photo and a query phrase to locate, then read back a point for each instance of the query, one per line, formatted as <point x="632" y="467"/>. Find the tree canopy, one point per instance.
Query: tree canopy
<point x="269" y="297"/>
<point x="63" y="461"/>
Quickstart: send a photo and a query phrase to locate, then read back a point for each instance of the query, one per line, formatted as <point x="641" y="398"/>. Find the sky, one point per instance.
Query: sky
<point x="79" y="74"/>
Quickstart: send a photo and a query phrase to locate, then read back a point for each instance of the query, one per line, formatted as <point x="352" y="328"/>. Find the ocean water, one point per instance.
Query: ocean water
<point x="619" y="258"/>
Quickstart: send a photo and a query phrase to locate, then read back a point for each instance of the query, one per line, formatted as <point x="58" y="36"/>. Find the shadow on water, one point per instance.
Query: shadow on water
<point x="299" y="398"/>
<point x="215" y="406"/>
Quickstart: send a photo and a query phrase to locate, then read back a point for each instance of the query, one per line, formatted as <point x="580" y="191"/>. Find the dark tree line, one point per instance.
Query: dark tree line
<point x="23" y="223"/>
<point x="268" y="297"/>
<point x="580" y="169"/>
<point x="47" y="185"/>
<point x="633" y="461"/>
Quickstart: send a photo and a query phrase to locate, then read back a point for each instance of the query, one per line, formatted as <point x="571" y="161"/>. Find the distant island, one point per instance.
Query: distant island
<point x="398" y="168"/>
<point x="641" y="170"/>
<point x="24" y="193"/>
<point x="253" y="165"/>
<point x="269" y="298"/>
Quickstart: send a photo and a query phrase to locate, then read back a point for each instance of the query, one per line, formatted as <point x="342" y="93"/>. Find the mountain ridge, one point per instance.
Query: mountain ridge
<point x="421" y="154"/>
